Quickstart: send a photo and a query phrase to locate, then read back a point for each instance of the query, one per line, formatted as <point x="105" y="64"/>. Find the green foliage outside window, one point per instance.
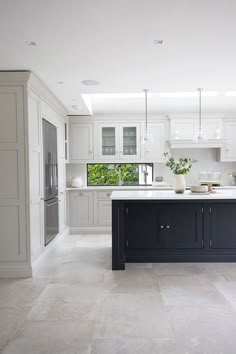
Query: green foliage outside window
<point x="112" y="174"/>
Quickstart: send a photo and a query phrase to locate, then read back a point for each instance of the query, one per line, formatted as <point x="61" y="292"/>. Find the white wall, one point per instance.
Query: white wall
<point x="206" y="162"/>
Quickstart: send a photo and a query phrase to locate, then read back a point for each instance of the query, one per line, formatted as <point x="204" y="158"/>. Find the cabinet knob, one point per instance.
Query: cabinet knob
<point x="167" y="226"/>
<point x="81" y="194"/>
<point x="108" y="194"/>
<point x="162" y="226"/>
<point x="90" y="151"/>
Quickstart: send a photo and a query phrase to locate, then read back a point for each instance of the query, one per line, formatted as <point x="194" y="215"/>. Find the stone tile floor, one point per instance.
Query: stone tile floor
<point x="76" y="304"/>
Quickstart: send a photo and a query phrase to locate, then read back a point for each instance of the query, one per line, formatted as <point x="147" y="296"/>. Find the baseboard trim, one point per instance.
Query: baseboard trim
<point x="89" y="230"/>
<point x="25" y="272"/>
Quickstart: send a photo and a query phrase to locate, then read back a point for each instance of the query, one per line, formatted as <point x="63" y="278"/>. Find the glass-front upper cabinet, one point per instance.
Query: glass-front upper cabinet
<point x="118" y="141"/>
<point x="129" y="138"/>
<point x="108" y="141"/>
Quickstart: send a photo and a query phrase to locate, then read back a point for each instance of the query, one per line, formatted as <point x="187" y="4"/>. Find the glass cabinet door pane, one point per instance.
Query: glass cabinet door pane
<point x="108" y="141"/>
<point x="129" y="141"/>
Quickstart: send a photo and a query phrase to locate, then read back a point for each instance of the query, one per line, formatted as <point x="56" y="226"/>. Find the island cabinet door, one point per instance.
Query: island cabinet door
<point x="180" y="226"/>
<point x="222" y="226"/>
<point x="141" y="226"/>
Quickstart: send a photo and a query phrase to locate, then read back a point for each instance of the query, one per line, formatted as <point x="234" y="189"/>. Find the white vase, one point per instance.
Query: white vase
<point x="179" y="185"/>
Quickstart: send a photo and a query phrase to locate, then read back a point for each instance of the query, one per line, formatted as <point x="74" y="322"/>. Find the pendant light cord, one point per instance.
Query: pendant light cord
<point x="146" y="91"/>
<point x="200" y="110"/>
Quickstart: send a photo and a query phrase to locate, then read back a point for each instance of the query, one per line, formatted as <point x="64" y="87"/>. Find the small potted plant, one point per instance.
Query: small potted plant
<point x="179" y="168"/>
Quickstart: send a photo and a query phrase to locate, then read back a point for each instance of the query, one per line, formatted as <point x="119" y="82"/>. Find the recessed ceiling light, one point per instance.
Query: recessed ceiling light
<point x="32" y="44"/>
<point x="90" y="82"/>
<point x="59" y="82"/>
<point x="158" y="41"/>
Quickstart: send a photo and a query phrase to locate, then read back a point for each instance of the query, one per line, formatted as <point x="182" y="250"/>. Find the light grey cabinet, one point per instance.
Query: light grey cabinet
<point x="102" y="208"/>
<point x="80" y="209"/>
<point x="81" y="142"/>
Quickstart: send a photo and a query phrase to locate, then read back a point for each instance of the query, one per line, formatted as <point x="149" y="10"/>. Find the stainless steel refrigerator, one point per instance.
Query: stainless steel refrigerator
<point x="51" y="220"/>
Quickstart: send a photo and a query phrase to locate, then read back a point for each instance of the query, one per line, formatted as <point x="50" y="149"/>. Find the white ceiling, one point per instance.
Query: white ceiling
<point x="111" y="41"/>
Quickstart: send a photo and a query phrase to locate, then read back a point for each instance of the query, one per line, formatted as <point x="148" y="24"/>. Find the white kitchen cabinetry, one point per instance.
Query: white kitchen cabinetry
<point x="24" y="101"/>
<point x="81" y="142"/>
<point x="153" y="152"/>
<point x="102" y="208"/>
<point x="80" y="209"/>
<point x="229" y="152"/>
<point x="89" y="211"/>
<point x="187" y="128"/>
<point x="118" y="141"/>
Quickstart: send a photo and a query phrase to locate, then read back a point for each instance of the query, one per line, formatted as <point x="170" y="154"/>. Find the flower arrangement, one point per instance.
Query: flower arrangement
<point x="182" y="166"/>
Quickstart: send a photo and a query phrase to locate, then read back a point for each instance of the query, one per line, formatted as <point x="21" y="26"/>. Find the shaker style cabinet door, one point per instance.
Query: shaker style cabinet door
<point x="153" y="152"/>
<point x="223" y="226"/>
<point x="141" y="226"/>
<point x="80" y="209"/>
<point x="180" y="226"/>
<point x="81" y="142"/>
<point x="230" y="145"/>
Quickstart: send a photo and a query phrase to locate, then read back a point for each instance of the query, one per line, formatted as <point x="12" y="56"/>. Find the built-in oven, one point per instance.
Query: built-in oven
<point x="51" y="221"/>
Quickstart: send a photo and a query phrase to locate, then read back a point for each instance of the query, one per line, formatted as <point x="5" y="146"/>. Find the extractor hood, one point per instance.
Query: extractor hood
<point x="190" y="144"/>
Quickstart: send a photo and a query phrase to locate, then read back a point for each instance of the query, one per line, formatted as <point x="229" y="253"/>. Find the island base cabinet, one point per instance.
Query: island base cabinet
<point x="223" y="226"/>
<point x="165" y="231"/>
<point x="180" y="226"/>
<point x="141" y="227"/>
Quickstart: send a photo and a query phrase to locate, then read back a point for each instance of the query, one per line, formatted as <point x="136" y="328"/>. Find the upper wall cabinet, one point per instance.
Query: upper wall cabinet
<point x="81" y="142"/>
<point x="118" y="141"/>
<point x="154" y="151"/>
<point x="187" y="128"/>
<point x="229" y="152"/>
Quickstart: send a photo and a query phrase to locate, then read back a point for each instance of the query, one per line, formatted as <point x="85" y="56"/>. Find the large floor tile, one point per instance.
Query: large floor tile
<point x="21" y="292"/>
<point x="11" y="319"/>
<point x="228" y="290"/>
<point x="205" y="329"/>
<point x="126" y="315"/>
<point x="135" y="346"/>
<point x="166" y="269"/>
<point x="189" y="291"/>
<point x="52" y="337"/>
<point x="67" y="302"/>
<point x="131" y="280"/>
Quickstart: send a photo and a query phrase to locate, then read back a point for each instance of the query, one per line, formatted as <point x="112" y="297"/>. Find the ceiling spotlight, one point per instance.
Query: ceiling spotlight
<point x="90" y="82"/>
<point x="31" y="44"/>
<point x="59" y="82"/>
<point x="158" y="41"/>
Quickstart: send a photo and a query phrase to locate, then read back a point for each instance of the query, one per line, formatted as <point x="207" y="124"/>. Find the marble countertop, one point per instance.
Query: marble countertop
<point x="171" y="195"/>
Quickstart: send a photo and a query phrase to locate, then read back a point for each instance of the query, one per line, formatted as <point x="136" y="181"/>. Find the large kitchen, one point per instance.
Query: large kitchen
<point x="117" y="177"/>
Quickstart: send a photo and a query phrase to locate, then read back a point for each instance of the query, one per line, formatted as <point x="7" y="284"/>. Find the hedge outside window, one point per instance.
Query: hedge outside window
<point x="123" y="174"/>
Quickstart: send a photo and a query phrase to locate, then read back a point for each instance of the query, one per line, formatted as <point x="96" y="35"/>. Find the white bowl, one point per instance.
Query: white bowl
<point x="199" y="189"/>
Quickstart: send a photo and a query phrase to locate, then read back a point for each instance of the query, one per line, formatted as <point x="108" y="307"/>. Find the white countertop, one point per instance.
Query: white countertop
<point x="136" y="188"/>
<point x="171" y="195"/>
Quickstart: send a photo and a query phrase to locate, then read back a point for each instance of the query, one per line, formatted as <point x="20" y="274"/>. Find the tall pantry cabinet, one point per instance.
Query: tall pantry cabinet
<point x="24" y="101"/>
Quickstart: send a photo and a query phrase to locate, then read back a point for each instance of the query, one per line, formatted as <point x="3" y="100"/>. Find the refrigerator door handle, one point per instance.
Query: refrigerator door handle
<point x="48" y="205"/>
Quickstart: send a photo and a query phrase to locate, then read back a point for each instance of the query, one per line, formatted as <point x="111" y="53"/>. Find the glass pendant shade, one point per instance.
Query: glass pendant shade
<point x="147" y="138"/>
<point x="200" y="136"/>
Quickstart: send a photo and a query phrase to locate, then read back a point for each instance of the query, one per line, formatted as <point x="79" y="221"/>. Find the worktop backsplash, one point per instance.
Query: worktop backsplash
<point x="206" y="162"/>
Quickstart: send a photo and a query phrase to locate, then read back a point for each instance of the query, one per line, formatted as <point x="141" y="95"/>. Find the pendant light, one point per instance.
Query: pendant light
<point x="147" y="138"/>
<point x="200" y="135"/>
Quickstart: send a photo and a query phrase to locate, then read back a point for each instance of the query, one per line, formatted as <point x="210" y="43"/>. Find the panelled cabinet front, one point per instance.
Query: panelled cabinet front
<point x="153" y="226"/>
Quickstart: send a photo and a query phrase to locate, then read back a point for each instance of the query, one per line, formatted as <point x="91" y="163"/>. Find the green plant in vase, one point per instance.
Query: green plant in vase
<point x="179" y="168"/>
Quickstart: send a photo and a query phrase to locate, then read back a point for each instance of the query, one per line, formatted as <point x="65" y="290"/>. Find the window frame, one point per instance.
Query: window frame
<point x="118" y="163"/>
